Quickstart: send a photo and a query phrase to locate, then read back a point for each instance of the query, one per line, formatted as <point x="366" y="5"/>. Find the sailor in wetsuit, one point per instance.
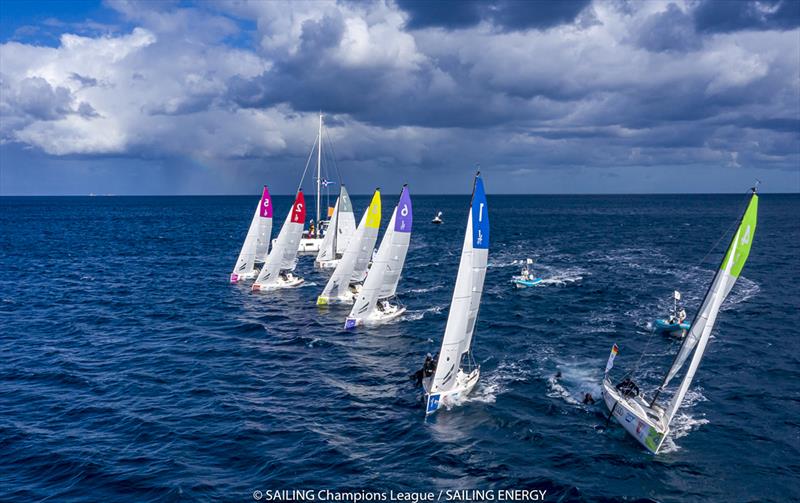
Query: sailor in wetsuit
<point x="628" y="388"/>
<point x="427" y="370"/>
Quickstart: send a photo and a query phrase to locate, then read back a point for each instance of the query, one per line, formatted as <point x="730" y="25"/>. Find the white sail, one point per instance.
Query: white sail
<point x="345" y="223"/>
<point x="399" y="240"/>
<point x="720" y="288"/>
<point x="327" y="250"/>
<point x="711" y="317"/>
<point x="256" y="242"/>
<point x="365" y="236"/>
<point x="368" y="296"/>
<point x="457" y="339"/>
<point x="341" y="228"/>
<point x="284" y="252"/>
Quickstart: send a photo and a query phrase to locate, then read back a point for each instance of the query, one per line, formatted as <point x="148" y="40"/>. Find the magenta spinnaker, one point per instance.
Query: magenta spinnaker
<point x="402" y="221"/>
<point x="266" y="204"/>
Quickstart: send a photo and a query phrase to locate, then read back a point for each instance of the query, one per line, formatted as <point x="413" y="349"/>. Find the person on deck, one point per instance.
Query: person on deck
<point x="628" y="388"/>
<point x="681" y="315"/>
<point x="428" y="367"/>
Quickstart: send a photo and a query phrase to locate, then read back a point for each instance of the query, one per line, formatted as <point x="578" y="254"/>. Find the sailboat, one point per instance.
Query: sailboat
<point x="526" y="278"/>
<point x="345" y="282"/>
<point x="341" y="227"/>
<point x="648" y="421"/>
<point x="674" y="324"/>
<point x="312" y="240"/>
<point x="456" y="371"/>
<point x="281" y="261"/>
<point x="373" y="305"/>
<point x="256" y="242"/>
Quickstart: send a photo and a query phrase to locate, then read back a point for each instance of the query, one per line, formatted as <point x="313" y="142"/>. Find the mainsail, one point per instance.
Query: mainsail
<point x="361" y="244"/>
<point x="284" y="252"/>
<point x="341" y="227"/>
<point x="726" y="277"/>
<point x="384" y="274"/>
<point x="457" y="340"/>
<point x="257" y="241"/>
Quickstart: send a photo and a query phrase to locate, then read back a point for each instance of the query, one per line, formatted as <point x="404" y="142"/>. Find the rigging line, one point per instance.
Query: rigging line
<point x="333" y="156"/>
<point x="306" y="169"/>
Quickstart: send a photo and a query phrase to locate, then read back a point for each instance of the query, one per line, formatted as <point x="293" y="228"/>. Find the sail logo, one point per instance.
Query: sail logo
<point x="746" y="237"/>
<point x="433" y="402"/>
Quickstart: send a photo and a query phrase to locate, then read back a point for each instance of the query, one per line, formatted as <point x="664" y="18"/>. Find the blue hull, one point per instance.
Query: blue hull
<point x="524" y="283"/>
<point x="665" y="326"/>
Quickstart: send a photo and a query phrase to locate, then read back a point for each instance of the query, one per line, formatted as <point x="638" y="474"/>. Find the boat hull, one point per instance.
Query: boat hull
<point x="326" y="264"/>
<point x="678" y="329"/>
<point x="236" y="278"/>
<point x="526" y="283"/>
<point x="464" y="385"/>
<point x="292" y="282"/>
<point x="376" y="318"/>
<point x="647" y="425"/>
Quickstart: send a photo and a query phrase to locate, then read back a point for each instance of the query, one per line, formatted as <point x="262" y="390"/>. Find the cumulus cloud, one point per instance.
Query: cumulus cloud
<point x="421" y="84"/>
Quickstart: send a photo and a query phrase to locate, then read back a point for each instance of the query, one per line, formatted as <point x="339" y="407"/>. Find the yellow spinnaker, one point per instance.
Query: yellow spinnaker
<point x="374" y="212"/>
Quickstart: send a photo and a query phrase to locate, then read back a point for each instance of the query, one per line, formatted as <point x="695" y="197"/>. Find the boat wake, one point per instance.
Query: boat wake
<point x="744" y="290"/>
<point x="498" y="382"/>
<point x="418" y="315"/>
<point x="683" y="422"/>
<point x="424" y="290"/>
<point x="577" y="379"/>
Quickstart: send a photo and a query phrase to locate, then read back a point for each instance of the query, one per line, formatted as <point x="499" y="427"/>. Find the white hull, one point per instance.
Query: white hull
<point x="307" y="245"/>
<point x="326" y="264"/>
<point x="645" y="424"/>
<point x="236" y="278"/>
<point x="349" y="297"/>
<point x="463" y="387"/>
<point x="378" y="317"/>
<point x="291" y="282"/>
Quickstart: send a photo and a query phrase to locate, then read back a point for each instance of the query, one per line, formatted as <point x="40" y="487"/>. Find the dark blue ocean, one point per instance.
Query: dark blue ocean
<point x="130" y="370"/>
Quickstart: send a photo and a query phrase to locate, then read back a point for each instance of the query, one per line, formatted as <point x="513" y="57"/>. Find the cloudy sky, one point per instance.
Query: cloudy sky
<point x="575" y="96"/>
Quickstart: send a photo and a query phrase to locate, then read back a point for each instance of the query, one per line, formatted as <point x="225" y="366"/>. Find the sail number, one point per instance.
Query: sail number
<point x="404" y="211"/>
<point x="298" y="208"/>
<point x="480" y="213"/>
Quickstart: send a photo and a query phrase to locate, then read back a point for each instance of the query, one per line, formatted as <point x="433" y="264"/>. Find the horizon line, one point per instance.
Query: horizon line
<point x="367" y="194"/>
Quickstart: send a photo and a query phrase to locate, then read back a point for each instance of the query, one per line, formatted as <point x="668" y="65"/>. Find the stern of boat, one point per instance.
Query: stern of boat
<point x="646" y="424"/>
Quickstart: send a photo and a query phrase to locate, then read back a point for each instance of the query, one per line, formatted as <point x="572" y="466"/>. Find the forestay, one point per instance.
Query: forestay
<point x="256" y="242"/>
<point x="457" y="339"/>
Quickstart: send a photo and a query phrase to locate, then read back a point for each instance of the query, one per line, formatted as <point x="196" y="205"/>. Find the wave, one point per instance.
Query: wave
<point x="418" y="315"/>
<point x="424" y="290"/>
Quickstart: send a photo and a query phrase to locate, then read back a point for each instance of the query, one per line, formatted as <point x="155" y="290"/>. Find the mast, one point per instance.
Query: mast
<point x="319" y="172"/>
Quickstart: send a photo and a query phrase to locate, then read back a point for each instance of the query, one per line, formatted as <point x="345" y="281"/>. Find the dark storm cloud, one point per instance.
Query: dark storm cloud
<point x="39" y="100"/>
<point x="714" y="16"/>
<point x="505" y="14"/>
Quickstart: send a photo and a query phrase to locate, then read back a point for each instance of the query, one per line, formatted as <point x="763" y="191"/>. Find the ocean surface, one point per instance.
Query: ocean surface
<point x="130" y="370"/>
